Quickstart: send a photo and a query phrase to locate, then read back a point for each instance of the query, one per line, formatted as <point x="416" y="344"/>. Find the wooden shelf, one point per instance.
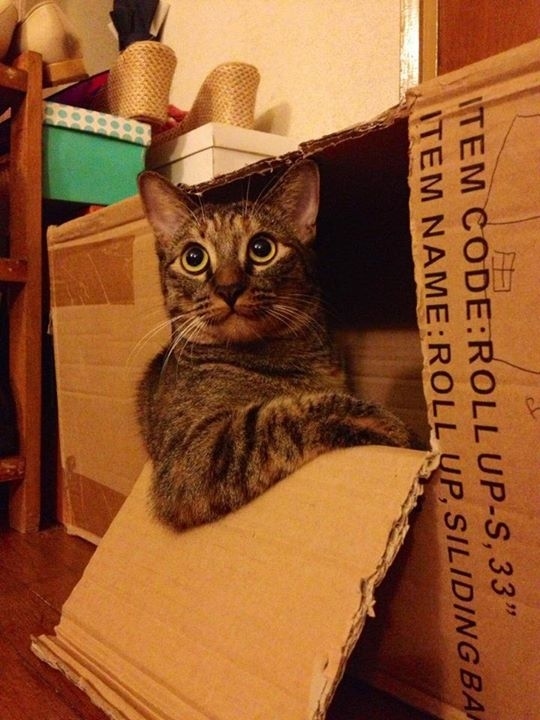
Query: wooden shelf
<point x="13" y="78"/>
<point x="13" y="81"/>
<point x="11" y="468"/>
<point x="13" y="271"/>
<point x="21" y="86"/>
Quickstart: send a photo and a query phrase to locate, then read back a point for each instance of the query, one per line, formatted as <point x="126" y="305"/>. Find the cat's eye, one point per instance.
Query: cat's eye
<point x="262" y="249"/>
<point x="195" y="259"/>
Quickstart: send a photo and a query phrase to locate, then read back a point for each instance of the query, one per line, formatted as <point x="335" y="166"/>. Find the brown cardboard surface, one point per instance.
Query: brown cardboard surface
<point x="468" y="585"/>
<point x="107" y="306"/>
<point x="106" y="311"/>
<point x="85" y="275"/>
<point x="252" y="616"/>
<point x="385" y="364"/>
<point x="87" y="504"/>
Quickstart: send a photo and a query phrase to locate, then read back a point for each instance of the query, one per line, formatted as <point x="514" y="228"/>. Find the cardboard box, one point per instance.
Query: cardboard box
<point x="91" y="157"/>
<point x="214" y="149"/>
<point x="457" y="617"/>
<point x="106" y="306"/>
<point x="459" y="620"/>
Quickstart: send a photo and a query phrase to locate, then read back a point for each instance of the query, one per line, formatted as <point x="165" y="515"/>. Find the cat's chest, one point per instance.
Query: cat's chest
<point x="222" y="383"/>
<point x="241" y="384"/>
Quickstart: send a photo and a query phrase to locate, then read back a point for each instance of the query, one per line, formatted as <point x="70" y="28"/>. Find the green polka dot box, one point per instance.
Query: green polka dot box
<point x="91" y="157"/>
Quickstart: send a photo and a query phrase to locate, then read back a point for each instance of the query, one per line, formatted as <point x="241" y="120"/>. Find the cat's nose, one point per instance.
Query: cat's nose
<point x="230" y="293"/>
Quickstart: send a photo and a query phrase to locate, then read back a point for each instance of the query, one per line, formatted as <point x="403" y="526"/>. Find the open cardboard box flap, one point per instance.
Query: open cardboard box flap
<point x="255" y="613"/>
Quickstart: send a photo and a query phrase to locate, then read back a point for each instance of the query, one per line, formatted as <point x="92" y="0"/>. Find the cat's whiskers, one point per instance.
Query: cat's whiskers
<point x="306" y="300"/>
<point x="245" y="200"/>
<point x="185" y="332"/>
<point x="261" y="196"/>
<point x="301" y="300"/>
<point x="147" y="337"/>
<point x="195" y="217"/>
<point x="250" y="385"/>
<point x="202" y="206"/>
<point x="190" y="329"/>
<point x="296" y="319"/>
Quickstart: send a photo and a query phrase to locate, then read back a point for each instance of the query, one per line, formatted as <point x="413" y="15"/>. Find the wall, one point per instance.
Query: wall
<point x="324" y="64"/>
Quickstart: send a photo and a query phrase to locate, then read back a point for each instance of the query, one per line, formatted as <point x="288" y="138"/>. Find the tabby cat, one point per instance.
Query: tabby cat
<point x="249" y="388"/>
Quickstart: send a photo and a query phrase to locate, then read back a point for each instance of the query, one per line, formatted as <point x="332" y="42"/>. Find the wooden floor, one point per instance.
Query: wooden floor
<point x="37" y="573"/>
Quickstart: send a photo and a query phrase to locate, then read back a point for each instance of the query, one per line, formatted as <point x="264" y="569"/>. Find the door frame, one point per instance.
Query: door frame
<point x="418" y="42"/>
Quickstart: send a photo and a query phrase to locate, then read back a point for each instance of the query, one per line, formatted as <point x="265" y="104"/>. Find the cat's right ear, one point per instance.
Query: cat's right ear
<point x="165" y="205"/>
<point x="296" y="193"/>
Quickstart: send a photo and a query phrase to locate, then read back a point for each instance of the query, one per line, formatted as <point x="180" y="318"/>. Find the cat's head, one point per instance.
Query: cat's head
<point x="238" y="272"/>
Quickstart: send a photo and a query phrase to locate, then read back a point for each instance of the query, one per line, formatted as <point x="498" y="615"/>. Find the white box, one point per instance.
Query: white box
<point x="214" y="149"/>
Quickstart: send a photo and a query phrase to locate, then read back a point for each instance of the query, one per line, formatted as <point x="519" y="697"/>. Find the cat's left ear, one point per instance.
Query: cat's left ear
<point x="166" y="206"/>
<point x="297" y="193"/>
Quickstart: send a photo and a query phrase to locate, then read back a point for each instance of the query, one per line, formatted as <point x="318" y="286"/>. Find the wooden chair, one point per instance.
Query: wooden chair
<point x="21" y="89"/>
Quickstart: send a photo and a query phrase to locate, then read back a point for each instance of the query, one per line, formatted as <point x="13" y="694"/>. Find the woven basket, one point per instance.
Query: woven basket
<point x="140" y="81"/>
<point x="227" y="95"/>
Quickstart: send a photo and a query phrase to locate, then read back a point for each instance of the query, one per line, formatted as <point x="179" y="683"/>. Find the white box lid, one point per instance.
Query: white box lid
<point x="219" y="135"/>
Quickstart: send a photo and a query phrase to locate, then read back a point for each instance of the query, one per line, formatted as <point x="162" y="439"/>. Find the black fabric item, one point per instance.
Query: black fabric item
<point x="132" y="20"/>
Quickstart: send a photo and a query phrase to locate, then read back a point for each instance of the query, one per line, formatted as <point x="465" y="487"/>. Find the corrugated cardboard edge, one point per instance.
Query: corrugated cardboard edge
<point x="77" y="531"/>
<point x="129" y="211"/>
<point x="87" y="507"/>
<point x="125" y="212"/>
<point x="117" y="700"/>
<point x="518" y="61"/>
<point x="74" y="669"/>
<point x="325" y="685"/>
<point x="306" y="149"/>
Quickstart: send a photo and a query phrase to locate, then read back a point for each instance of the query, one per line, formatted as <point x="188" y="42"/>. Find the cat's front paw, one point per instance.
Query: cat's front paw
<point x="375" y="421"/>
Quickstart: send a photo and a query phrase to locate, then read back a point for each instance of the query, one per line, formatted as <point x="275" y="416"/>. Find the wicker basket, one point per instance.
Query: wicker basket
<point x="227" y="96"/>
<point x="140" y="81"/>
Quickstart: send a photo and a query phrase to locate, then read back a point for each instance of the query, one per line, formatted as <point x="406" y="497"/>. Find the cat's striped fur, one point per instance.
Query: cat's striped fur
<point x="249" y="388"/>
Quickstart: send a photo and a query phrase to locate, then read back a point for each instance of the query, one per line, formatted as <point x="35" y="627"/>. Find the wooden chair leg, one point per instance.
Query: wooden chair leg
<point x="26" y="301"/>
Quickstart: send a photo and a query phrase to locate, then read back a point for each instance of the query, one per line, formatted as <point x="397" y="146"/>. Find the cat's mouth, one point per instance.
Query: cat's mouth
<point x="222" y="311"/>
<point x="241" y="322"/>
